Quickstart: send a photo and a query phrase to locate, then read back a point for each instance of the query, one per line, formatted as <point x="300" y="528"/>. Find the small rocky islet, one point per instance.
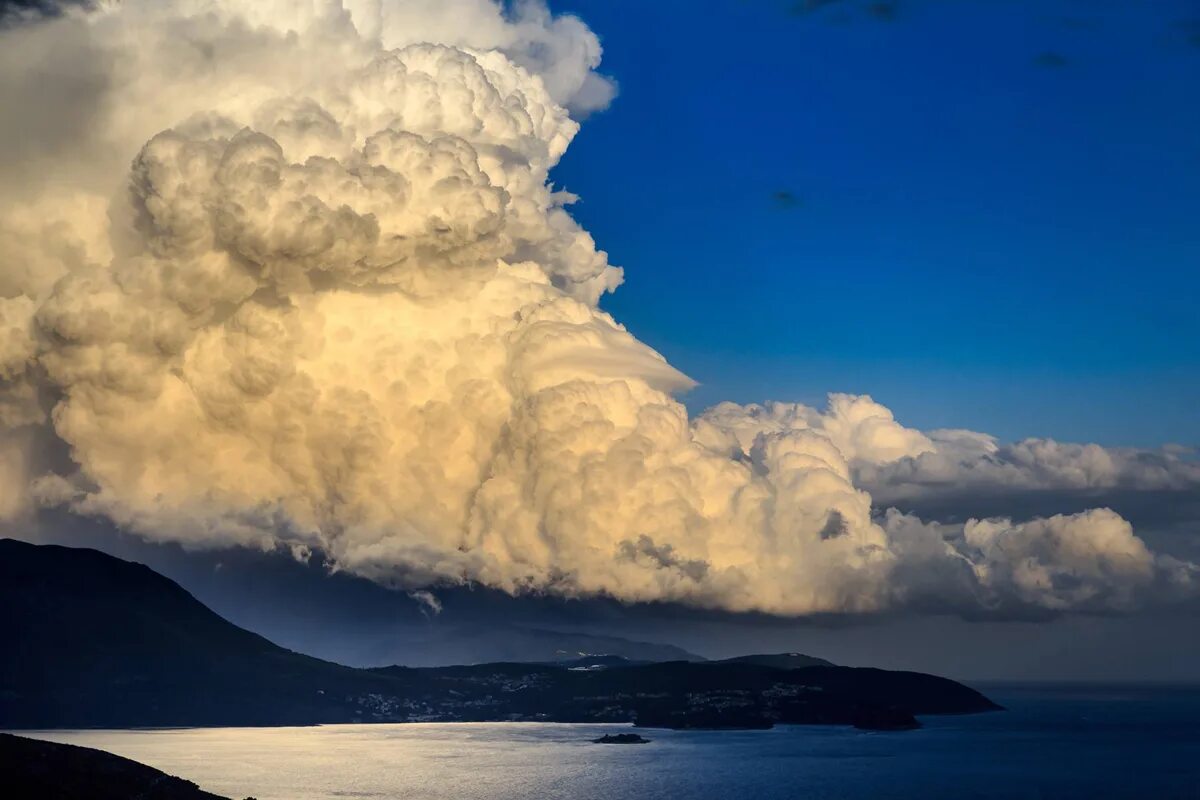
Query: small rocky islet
<point x="621" y="738"/>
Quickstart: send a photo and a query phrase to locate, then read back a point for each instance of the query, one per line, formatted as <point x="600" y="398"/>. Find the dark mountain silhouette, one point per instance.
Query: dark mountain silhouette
<point x="37" y="770"/>
<point x="339" y="617"/>
<point x="780" y="660"/>
<point x="94" y="641"/>
<point x="480" y="642"/>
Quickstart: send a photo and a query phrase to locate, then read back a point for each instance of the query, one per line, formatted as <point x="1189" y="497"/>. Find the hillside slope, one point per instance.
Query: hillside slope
<point x="93" y="641"/>
<point x="37" y="770"/>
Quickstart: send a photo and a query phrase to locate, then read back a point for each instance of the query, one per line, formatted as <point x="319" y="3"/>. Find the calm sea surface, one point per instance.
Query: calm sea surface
<point x="1051" y="743"/>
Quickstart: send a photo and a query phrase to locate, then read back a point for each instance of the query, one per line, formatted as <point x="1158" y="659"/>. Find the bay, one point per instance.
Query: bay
<point x="1052" y="742"/>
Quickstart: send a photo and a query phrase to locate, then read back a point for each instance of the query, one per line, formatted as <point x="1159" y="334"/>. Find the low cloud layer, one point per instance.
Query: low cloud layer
<point x="281" y="274"/>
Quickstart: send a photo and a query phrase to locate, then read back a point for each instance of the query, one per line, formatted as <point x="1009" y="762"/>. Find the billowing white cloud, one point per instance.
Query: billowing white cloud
<point x="959" y="461"/>
<point x="863" y="431"/>
<point x="302" y="280"/>
<point x="895" y="463"/>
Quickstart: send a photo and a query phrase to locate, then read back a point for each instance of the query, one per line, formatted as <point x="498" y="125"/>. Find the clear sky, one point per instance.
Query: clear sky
<point x="984" y="213"/>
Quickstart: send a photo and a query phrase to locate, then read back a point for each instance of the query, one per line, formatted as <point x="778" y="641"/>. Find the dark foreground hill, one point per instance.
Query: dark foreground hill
<point x="93" y="641"/>
<point x="37" y="770"/>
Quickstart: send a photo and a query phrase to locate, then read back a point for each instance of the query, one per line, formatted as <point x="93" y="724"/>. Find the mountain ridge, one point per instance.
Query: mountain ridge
<point x="779" y="660"/>
<point x="101" y="642"/>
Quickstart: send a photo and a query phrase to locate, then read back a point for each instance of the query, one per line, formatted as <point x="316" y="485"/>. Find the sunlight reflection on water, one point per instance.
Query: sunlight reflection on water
<point x="1141" y="746"/>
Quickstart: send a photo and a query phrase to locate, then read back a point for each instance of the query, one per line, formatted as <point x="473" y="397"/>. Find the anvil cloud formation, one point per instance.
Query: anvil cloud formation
<point x="294" y="274"/>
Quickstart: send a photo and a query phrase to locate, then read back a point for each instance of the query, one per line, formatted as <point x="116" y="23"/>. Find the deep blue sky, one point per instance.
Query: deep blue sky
<point x="992" y="216"/>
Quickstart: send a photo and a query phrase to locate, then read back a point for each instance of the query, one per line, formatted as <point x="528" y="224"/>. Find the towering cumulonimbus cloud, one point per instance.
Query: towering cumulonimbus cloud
<point x="294" y="274"/>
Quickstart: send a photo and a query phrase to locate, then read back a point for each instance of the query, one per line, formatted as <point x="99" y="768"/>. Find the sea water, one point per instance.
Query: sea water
<point x="1052" y="742"/>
